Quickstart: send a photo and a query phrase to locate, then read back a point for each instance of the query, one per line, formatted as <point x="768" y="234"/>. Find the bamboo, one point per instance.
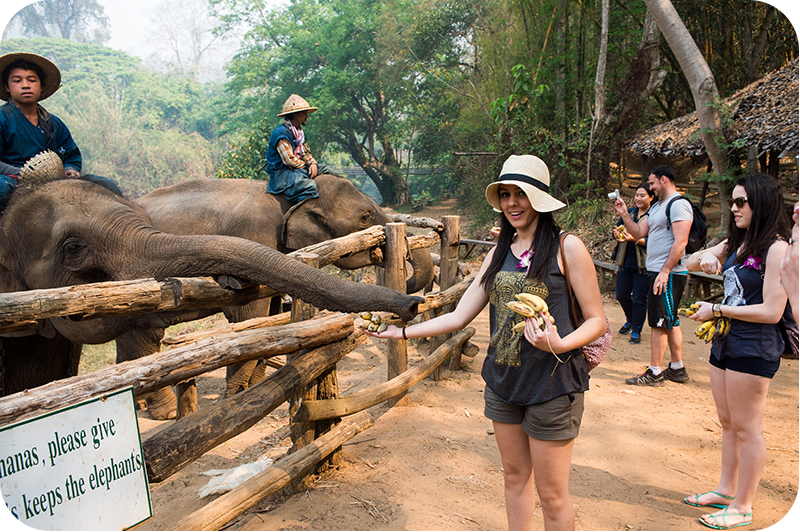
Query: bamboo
<point x="316" y="410"/>
<point x="184" y="441"/>
<point x="215" y="514"/>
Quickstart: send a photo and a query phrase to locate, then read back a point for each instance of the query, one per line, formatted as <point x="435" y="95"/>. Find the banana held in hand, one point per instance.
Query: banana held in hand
<point x="530" y="306"/>
<point x="689" y="311"/>
<point x="702" y="330"/>
<point x="532" y="300"/>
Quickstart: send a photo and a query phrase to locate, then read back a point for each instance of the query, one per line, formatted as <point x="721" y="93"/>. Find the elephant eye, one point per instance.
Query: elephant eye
<point x="73" y="247"/>
<point x="366" y="219"/>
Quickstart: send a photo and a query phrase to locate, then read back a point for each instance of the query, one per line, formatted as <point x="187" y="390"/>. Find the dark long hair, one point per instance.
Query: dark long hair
<point x="545" y="246"/>
<point x="768" y="221"/>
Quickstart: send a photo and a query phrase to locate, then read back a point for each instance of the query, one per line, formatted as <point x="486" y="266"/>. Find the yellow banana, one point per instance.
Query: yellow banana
<point x="532" y="300"/>
<point x="521" y="308"/>
<point x="519" y="327"/>
<point x="689" y="311"/>
<point x="702" y="330"/>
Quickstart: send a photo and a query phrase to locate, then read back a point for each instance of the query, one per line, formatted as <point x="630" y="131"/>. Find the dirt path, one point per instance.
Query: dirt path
<point x="433" y="465"/>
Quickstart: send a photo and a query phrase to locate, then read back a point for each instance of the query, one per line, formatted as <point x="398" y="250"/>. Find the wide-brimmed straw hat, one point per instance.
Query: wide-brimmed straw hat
<point x="295" y="104"/>
<point x="51" y="73"/>
<point x="529" y="173"/>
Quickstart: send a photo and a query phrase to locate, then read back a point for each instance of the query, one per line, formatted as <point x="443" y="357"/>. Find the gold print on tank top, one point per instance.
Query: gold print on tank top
<point x="506" y="286"/>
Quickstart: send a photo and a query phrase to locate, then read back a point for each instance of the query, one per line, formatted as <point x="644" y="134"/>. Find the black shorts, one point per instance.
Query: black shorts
<point x="662" y="311"/>
<point x="750" y="365"/>
<point x="557" y="419"/>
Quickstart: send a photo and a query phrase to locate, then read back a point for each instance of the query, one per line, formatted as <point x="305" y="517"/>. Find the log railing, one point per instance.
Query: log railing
<point x="313" y="346"/>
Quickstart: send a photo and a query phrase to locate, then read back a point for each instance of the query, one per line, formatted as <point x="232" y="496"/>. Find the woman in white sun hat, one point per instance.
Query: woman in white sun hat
<point x="534" y="380"/>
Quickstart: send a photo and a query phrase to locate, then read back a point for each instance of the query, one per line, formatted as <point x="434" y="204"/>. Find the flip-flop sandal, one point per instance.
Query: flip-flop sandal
<point x="713" y="505"/>
<point x="720" y="522"/>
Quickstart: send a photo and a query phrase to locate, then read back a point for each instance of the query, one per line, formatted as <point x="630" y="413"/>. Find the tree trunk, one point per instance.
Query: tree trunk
<point x="599" y="85"/>
<point x="701" y="80"/>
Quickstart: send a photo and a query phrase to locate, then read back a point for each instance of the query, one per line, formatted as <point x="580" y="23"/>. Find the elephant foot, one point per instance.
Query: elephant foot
<point x="187" y="398"/>
<point x="161" y="404"/>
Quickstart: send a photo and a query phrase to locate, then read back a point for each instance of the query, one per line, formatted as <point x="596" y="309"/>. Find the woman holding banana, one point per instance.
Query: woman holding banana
<point x="747" y="346"/>
<point x="535" y="377"/>
<point x="631" y="288"/>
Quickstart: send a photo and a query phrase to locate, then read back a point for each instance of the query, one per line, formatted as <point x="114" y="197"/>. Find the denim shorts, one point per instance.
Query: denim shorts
<point x="557" y="419"/>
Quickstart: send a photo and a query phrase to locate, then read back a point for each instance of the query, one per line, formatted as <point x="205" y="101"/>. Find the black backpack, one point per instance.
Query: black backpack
<point x="699" y="230"/>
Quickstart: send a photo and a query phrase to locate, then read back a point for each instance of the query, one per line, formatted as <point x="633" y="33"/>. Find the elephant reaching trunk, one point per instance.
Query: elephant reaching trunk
<point x="68" y="232"/>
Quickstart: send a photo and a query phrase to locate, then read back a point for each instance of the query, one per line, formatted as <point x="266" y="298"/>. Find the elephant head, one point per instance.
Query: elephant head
<point x="68" y="232"/>
<point x="342" y="209"/>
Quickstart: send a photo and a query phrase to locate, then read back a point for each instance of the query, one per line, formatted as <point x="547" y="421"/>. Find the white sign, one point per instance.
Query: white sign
<point x="78" y="468"/>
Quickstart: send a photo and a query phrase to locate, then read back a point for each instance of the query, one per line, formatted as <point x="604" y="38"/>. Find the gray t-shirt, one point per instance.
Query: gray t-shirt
<point x="660" y="237"/>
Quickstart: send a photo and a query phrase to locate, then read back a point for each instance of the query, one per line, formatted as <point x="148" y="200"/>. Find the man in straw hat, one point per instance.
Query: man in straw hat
<point x="26" y="128"/>
<point x="290" y="166"/>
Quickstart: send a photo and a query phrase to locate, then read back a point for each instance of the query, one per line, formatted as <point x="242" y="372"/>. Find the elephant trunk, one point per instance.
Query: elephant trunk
<point x="166" y="255"/>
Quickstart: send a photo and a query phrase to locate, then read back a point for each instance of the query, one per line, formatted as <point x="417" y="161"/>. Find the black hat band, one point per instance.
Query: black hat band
<point x="526" y="179"/>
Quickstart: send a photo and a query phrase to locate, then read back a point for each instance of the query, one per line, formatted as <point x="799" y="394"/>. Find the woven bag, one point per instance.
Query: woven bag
<point x="595" y="351"/>
<point x="46" y="165"/>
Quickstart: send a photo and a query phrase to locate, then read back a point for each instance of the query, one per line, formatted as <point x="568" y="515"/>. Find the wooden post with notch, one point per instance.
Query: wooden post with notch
<point x="394" y="274"/>
<point x="448" y="269"/>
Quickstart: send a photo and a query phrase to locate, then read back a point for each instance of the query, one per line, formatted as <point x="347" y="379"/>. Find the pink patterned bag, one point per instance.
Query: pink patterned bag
<point x="595" y="351"/>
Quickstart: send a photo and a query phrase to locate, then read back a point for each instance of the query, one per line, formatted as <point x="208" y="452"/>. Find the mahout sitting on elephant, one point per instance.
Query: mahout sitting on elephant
<point x="68" y="232"/>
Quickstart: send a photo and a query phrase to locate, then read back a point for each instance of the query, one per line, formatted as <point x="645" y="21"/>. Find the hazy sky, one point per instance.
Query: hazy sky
<point x="128" y="19"/>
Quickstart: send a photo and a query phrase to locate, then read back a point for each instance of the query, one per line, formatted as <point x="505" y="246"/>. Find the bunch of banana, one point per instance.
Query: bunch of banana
<point x="689" y="311"/>
<point x="530" y="306"/>
<point x="622" y="234"/>
<point x="371" y="322"/>
<point x="715" y="328"/>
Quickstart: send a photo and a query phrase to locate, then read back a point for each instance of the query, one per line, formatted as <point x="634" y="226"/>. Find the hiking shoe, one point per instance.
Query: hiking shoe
<point x="647" y="379"/>
<point x="636" y="338"/>
<point x="676" y="375"/>
<point x="625" y="328"/>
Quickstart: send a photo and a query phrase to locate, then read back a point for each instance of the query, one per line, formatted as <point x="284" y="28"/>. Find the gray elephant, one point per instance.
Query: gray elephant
<point x="242" y="208"/>
<point x="69" y="232"/>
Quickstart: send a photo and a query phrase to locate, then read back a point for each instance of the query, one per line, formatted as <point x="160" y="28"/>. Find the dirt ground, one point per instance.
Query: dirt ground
<point x="434" y="465"/>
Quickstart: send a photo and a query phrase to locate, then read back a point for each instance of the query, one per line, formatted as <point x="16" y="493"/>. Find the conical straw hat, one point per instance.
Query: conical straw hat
<point x="295" y="104"/>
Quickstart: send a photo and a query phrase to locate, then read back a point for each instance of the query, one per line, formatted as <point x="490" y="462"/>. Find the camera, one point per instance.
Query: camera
<point x="614" y="195"/>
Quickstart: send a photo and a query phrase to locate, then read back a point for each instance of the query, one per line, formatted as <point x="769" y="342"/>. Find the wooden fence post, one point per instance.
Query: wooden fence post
<point x="324" y="387"/>
<point x="448" y="269"/>
<point x="395" y="277"/>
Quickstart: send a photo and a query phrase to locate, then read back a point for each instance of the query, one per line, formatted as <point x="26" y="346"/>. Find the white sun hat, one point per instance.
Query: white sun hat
<point x="529" y="173"/>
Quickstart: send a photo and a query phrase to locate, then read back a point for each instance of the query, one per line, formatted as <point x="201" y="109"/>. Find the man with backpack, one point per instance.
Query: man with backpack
<point x="667" y="229"/>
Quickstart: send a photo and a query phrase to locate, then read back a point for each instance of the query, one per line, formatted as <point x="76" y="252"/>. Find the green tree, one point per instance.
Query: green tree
<point x="78" y="20"/>
<point x="347" y="57"/>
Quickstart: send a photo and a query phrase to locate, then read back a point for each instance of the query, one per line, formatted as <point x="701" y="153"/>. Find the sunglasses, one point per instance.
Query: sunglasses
<point x="739" y="202"/>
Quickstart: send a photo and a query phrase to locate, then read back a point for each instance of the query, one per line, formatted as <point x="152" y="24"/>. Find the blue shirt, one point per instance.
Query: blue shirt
<point x="20" y="140"/>
<point x="274" y="161"/>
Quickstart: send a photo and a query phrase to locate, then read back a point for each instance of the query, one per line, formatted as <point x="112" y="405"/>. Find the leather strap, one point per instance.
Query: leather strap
<point x="566" y="275"/>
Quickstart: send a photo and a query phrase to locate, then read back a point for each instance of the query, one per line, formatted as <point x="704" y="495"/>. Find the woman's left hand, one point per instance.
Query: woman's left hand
<point x="548" y="340"/>
<point x="704" y="313"/>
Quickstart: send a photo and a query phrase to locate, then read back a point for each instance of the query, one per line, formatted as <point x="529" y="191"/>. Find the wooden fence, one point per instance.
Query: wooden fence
<point x="312" y="342"/>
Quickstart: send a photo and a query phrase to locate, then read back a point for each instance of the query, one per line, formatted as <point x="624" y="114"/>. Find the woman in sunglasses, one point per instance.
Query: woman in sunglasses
<point x="743" y="362"/>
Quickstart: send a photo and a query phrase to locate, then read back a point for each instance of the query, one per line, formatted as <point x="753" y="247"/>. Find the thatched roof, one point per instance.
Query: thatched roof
<point x="765" y="115"/>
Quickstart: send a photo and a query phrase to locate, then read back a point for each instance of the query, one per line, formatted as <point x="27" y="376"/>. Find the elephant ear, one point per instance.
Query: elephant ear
<point x="305" y="224"/>
<point x="9" y="280"/>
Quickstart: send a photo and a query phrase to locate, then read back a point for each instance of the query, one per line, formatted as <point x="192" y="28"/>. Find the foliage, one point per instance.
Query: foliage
<point x="78" y="20"/>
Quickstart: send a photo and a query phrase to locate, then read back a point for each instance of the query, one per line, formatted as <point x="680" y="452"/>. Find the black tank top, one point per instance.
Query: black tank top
<point x="744" y="286"/>
<point x="514" y="370"/>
